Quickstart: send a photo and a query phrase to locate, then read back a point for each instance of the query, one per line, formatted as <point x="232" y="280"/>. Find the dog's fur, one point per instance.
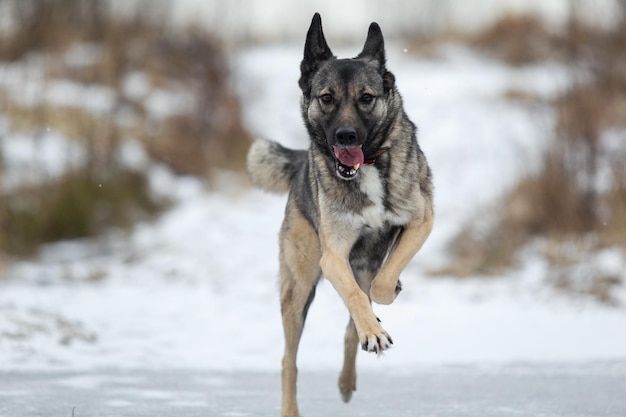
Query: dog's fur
<point x="356" y="218"/>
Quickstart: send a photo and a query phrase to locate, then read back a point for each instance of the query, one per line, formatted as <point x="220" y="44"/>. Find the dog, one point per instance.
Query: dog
<point x="360" y="201"/>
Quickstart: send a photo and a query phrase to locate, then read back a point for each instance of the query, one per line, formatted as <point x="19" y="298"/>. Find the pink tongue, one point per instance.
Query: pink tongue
<point x="349" y="156"/>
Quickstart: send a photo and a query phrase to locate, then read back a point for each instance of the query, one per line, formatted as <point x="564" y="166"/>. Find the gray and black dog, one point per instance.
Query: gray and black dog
<point x="360" y="198"/>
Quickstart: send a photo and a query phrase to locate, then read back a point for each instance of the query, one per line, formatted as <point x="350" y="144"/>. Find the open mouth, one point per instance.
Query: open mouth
<point x="348" y="160"/>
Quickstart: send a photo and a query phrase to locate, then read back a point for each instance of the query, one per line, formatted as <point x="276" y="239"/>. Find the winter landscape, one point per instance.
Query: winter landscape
<point x="191" y="293"/>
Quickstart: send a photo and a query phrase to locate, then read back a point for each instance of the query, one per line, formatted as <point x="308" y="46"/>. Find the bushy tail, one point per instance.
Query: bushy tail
<point x="272" y="167"/>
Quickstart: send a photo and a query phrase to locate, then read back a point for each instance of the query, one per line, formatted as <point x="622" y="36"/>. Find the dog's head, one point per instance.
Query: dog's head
<point x="345" y="101"/>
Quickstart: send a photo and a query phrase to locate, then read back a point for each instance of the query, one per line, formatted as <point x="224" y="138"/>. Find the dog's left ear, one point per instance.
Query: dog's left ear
<point x="374" y="50"/>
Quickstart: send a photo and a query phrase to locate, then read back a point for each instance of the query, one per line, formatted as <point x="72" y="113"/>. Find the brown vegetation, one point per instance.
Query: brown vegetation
<point x="519" y="40"/>
<point x="82" y="203"/>
<point x="194" y="139"/>
<point x="579" y="194"/>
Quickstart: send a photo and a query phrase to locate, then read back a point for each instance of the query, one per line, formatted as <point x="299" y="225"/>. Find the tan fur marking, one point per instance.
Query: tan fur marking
<point x="299" y="271"/>
<point x="335" y="267"/>
<point x="347" y="377"/>
<point x="383" y="290"/>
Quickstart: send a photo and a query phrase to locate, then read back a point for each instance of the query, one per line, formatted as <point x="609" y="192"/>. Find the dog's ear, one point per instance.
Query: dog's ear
<point x="316" y="50"/>
<point x="374" y="50"/>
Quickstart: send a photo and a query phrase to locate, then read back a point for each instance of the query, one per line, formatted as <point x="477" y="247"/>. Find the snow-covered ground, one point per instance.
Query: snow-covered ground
<point x="197" y="288"/>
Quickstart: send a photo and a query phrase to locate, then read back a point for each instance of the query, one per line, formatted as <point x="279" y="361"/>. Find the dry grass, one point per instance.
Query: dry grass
<point x="515" y="39"/>
<point x="210" y="134"/>
<point x="73" y="122"/>
<point x="88" y="199"/>
<point x="580" y="191"/>
<point x="49" y="25"/>
<point x="103" y="193"/>
<point x="84" y="202"/>
<point x="519" y="40"/>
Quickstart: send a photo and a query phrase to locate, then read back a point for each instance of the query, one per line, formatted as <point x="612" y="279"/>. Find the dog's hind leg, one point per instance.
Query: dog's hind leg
<point x="347" y="377"/>
<point x="299" y="274"/>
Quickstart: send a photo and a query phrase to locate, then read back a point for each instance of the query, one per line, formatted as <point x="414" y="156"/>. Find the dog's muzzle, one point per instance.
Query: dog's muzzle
<point x="348" y="160"/>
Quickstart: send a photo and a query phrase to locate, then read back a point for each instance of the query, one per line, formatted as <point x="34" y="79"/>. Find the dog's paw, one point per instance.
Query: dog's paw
<point x="384" y="294"/>
<point x="377" y="343"/>
<point x="347" y="385"/>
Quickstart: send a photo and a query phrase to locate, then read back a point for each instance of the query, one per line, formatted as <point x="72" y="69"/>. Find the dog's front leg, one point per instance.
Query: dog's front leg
<point x="336" y="269"/>
<point x="383" y="289"/>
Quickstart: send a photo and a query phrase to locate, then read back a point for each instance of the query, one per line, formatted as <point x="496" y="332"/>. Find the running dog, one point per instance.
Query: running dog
<point x="360" y="201"/>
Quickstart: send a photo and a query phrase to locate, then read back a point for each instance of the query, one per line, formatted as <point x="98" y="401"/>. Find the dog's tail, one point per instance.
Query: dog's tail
<point x="272" y="167"/>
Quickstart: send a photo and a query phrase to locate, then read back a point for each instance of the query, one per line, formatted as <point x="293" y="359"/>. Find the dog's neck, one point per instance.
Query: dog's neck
<point x="371" y="159"/>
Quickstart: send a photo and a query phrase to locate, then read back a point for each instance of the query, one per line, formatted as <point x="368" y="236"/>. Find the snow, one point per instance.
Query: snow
<point x="260" y="20"/>
<point x="29" y="159"/>
<point x="197" y="287"/>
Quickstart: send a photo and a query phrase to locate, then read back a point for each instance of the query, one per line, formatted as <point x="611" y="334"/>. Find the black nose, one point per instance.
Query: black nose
<point x="346" y="136"/>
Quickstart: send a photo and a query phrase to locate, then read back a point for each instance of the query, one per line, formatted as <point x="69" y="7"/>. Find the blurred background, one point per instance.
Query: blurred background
<point x="124" y="127"/>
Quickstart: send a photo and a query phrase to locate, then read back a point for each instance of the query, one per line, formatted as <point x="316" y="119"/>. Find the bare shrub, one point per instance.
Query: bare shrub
<point x="197" y="139"/>
<point x="580" y="189"/>
<point x="83" y="202"/>
<point x="51" y="25"/>
<point x="210" y="135"/>
<point x="88" y="199"/>
<point x="518" y="40"/>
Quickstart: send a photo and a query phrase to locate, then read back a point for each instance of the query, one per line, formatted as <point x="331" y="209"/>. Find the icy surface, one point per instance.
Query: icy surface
<point x="583" y="390"/>
<point x="197" y="288"/>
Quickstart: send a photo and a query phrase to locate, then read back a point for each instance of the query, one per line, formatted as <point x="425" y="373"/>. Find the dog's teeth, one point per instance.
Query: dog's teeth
<point x="356" y="166"/>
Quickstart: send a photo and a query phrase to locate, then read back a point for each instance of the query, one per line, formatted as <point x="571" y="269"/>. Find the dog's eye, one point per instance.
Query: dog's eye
<point x="326" y="98"/>
<point x="366" y="98"/>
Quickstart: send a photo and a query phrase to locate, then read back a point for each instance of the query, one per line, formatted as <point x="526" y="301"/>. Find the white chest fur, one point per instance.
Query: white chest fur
<point x="374" y="215"/>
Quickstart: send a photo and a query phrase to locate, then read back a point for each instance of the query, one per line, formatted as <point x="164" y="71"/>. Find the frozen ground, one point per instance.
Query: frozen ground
<point x="197" y="288"/>
<point x="590" y="390"/>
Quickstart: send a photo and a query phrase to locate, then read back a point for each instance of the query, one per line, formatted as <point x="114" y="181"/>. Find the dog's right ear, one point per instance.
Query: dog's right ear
<point x="316" y="51"/>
